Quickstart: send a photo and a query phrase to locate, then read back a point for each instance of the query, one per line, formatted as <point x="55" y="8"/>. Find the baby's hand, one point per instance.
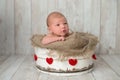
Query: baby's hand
<point x="61" y="38"/>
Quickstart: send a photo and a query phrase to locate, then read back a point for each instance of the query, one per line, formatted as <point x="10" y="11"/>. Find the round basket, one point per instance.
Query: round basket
<point x="54" y="64"/>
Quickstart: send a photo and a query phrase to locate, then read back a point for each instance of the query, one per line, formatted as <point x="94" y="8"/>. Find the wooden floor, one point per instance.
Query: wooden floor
<point x="107" y="67"/>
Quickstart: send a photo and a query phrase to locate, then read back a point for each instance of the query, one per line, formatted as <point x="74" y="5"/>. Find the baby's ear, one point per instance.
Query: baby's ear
<point x="49" y="30"/>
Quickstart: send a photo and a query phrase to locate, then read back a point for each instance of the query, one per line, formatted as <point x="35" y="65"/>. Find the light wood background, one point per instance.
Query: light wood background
<point x="20" y="19"/>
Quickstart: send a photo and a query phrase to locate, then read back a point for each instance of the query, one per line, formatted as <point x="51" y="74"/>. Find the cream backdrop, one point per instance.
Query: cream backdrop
<point x="20" y="19"/>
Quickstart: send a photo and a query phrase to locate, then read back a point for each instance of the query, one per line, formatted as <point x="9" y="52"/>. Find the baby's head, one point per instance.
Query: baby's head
<point x="57" y="24"/>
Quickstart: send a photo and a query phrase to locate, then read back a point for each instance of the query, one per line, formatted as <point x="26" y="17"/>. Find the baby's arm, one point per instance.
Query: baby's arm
<point x="50" y="39"/>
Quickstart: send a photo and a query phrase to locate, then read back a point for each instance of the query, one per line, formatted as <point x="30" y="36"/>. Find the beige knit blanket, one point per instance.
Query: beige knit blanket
<point x="77" y="43"/>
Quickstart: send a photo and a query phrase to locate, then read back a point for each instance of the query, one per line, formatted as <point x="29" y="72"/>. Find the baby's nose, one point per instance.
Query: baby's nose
<point x="63" y="26"/>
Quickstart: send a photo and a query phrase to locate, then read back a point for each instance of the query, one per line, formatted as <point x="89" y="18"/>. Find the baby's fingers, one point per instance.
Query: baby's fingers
<point x="62" y="38"/>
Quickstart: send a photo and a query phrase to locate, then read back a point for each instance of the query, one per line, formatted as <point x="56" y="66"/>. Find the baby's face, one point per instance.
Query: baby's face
<point x="59" y="26"/>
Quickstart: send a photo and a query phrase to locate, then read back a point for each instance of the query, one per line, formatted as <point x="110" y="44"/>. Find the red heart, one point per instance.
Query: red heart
<point x="94" y="56"/>
<point x="73" y="62"/>
<point x="49" y="60"/>
<point x="35" y="57"/>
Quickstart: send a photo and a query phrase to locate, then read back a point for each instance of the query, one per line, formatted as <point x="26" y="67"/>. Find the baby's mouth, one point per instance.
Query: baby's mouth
<point x="64" y="31"/>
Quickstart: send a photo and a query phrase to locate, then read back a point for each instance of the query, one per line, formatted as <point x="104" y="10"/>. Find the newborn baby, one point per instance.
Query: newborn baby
<point x="58" y="28"/>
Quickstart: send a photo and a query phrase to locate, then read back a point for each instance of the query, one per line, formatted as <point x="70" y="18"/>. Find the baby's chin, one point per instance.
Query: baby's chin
<point x="64" y="35"/>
